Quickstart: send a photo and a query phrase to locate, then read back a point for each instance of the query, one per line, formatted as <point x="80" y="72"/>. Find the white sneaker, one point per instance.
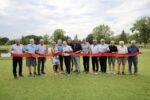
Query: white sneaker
<point x="114" y="72"/>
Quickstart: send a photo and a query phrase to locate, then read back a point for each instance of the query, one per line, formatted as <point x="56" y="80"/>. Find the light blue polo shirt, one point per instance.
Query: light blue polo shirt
<point x="30" y="48"/>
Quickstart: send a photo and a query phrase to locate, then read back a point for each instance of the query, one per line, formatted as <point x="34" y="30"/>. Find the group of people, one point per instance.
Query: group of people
<point x="73" y="61"/>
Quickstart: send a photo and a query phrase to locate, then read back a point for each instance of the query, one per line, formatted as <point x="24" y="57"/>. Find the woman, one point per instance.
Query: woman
<point x="55" y="58"/>
<point x="67" y="57"/>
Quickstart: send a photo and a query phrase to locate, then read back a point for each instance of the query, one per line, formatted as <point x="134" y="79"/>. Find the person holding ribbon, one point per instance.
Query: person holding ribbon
<point x="41" y="49"/>
<point x="55" y="58"/>
<point x="60" y="49"/>
<point x="94" y="49"/>
<point x="77" y="49"/>
<point x="67" y="57"/>
<point x="122" y="49"/>
<point x="69" y="42"/>
<point x="112" y="59"/>
<point x="133" y="59"/>
<point x="18" y="49"/>
<point x="103" y="48"/>
<point x="31" y="61"/>
<point x="85" y="50"/>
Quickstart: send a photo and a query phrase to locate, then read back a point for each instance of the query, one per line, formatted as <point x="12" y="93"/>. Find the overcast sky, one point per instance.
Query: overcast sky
<point x="23" y="17"/>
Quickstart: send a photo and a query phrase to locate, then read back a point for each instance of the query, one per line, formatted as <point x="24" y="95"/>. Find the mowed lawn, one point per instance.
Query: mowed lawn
<point x="77" y="86"/>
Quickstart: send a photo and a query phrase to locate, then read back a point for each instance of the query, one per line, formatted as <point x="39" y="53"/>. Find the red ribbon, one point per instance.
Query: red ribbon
<point x="74" y="54"/>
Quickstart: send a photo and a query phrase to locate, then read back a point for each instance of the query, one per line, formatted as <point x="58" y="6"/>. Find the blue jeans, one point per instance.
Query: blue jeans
<point x="134" y="60"/>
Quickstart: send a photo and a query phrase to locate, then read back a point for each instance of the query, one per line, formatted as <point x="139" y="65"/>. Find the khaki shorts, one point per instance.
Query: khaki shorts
<point x="122" y="60"/>
<point x="111" y="60"/>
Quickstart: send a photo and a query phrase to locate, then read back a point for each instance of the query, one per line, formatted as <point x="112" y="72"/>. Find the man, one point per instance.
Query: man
<point x="85" y="49"/>
<point x="67" y="57"/>
<point x="41" y="49"/>
<point x="112" y="59"/>
<point x="60" y="49"/>
<point x="31" y="61"/>
<point x="103" y="48"/>
<point x="122" y="49"/>
<point x="77" y="49"/>
<point x="69" y="42"/>
<point x="18" y="49"/>
<point x="95" y="50"/>
<point x="133" y="59"/>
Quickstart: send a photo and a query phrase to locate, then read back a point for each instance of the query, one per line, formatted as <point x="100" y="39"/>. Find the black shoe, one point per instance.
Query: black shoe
<point x="43" y="72"/>
<point x="87" y="72"/>
<point x="21" y="75"/>
<point x="39" y="74"/>
<point x="75" y="71"/>
<point x="30" y="74"/>
<point x="123" y="73"/>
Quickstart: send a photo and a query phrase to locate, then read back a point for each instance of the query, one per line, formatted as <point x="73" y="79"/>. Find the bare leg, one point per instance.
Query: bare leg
<point x="72" y="65"/>
<point x="114" y="68"/>
<point x="58" y="68"/>
<point x="34" y="70"/>
<point x="123" y="67"/>
<point x="55" y="69"/>
<point x="110" y="67"/>
<point x="118" y="68"/>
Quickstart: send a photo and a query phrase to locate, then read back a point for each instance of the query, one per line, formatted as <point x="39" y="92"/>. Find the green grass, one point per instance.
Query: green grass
<point x="75" y="87"/>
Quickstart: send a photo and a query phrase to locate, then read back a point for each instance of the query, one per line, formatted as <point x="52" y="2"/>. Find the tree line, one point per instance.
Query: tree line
<point x="140" y="30"/>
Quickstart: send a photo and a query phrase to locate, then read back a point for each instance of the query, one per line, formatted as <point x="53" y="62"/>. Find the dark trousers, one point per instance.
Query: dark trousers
<point x="86" y="63"/>
<point x="41" y="62"/>
<point x="134" y="60"/>
<point x="61" y="62"/>
<point x="103" y="63"/>
<point x="95" y="64"/>
<point x="17" y="60"/>
<point x="67" y="60"/>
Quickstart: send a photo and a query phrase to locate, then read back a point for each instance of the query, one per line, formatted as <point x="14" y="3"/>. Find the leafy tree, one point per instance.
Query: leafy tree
<point x="90" y="38"/>
<point x="59" y="34"/>
<point x="102" y="31"/>
<point x="46" y="37"/>
<point x="123" y="37"/>
<point x="142" y="27"/>
<point x="136" y="37"/>
<point x="10" y="42"/>
<point x="25" y="40"/>
<point x="4" y="40"/>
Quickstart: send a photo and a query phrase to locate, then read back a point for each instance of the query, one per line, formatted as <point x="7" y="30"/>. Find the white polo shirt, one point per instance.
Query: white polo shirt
<point x="17" y="49"/>
<point x="122" y="50"/>
<point x="67" y="48"/>
<point x="103" y="48"/>
<point x="94" y="49"/>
